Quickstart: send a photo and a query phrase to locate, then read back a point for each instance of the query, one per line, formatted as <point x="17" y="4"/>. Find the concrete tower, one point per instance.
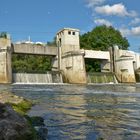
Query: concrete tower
<point x="68" y="40"/>
<point x="70" y="57"/>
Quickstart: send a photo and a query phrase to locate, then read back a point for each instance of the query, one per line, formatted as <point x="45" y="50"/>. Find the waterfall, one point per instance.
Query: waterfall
<point x="49" y="77"/>
<point x="100" y="77"/>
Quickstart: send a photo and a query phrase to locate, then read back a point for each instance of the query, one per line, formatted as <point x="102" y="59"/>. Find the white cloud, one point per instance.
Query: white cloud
<point x="102" y="22"/>
<point x="125" y="31"/>
<point x="135" y="21"/>
<point x="116" y="9"/>
<point x="134" y="31"/>
<point x="92" y="3"/>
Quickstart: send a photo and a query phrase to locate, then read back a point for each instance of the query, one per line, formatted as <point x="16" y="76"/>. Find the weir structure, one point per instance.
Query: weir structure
<point x="69" y="59"/>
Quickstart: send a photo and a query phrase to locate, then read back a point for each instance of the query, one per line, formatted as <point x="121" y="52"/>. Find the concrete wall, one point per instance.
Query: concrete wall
<point x="73" y="67"/>
<point x="5" y="61"/>
<point x="124" y="66"/>
<point x="137" y="62"/>
<point x="34" y="49"/>
<point x="103" y="55"/>
<point x="105" y="66"/>
<point x="125" y="70"/>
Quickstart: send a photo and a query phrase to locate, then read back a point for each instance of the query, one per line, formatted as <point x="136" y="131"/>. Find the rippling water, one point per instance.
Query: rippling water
<point x="92" y="112"/>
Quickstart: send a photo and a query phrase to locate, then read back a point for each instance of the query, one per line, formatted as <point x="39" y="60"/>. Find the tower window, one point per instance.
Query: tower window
<point x="69" y="32"/>
<point x="73" y="33"/>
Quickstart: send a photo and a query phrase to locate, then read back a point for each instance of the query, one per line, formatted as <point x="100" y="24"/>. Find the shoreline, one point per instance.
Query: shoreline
<point x="13" y="107"/>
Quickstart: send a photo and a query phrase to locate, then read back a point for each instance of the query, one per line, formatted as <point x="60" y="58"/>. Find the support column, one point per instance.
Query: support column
<point x="124" y="68"/>
<point x="5" y="61"/>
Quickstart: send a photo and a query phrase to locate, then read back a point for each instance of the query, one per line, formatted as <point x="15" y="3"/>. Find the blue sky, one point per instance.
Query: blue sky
<point x="41" y="19"/>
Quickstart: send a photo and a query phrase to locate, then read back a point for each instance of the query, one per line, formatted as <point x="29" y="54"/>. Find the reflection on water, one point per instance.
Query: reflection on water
<point x="93" y="112"/>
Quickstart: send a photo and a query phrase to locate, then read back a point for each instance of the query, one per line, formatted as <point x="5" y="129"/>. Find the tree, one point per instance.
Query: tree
<point x="3" y="35"/>
<point x="52" y="43"/>
<point x="101" y="38"/>
<point x="31" y="63"/>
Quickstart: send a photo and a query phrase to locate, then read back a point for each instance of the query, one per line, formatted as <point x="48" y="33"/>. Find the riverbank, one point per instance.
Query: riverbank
<point x="14" y="125"/>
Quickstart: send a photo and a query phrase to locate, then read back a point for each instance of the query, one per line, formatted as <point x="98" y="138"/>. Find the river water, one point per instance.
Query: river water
<point x="86" y="112"/>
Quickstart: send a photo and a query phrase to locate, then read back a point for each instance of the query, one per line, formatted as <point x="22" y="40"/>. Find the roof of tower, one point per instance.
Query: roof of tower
<point x="69" y="29"/>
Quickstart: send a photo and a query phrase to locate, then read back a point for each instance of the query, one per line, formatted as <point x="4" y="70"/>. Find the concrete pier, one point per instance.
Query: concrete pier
<point x="5" y="61"/>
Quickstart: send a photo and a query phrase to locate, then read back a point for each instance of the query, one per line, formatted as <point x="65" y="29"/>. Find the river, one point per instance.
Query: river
<point x="85" y="112"/>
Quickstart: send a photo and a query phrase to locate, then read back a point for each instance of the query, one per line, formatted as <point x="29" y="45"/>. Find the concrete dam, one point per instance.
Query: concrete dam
<point x="68" y="63"/>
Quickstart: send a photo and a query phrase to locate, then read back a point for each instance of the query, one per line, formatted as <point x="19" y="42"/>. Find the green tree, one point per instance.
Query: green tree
<point x="52" y="43"/>
<point x="3" y="35"/>
<point x="101" y="38"/>
<point x="31" y="63"/>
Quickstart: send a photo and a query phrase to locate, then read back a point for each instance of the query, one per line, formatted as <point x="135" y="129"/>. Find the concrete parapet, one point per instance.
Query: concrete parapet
<point x="103" y="55"/>
<point x="34" y="49"/>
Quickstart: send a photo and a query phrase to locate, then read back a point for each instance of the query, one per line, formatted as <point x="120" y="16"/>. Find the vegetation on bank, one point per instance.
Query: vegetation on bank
<point x="100" y="38"/>
<point x="21" y="106"/>
<point x="22" y="109"/>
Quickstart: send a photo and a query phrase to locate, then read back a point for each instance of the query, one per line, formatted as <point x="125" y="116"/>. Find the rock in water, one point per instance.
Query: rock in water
<point x="43" y="133"/>
<point x="13" y="126"/>
<point x="38" y="123"/>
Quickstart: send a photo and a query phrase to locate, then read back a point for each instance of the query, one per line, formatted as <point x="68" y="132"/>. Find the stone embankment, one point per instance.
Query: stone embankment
<point x="13" y="123"/>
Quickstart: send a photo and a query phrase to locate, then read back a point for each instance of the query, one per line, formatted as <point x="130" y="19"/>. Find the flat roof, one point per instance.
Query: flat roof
<point x="69" y="29"/>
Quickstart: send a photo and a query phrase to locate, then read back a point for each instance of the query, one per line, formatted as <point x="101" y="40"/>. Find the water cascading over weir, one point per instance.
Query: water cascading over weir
<point x="101" y="77"/>
<point x="29" y="78"/>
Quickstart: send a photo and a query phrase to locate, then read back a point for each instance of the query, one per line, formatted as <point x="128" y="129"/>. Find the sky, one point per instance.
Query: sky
<point x="42" y="19"/>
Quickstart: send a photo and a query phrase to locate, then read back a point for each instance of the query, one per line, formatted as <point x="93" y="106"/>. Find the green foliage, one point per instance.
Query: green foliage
<point x="3" y="35"/>
<point x="101" y="38"/>
<point x="22" y="107"/>
<point x="52" y="43"/>
<point x="31" y="63"/>
<point x="92" y="65"/>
